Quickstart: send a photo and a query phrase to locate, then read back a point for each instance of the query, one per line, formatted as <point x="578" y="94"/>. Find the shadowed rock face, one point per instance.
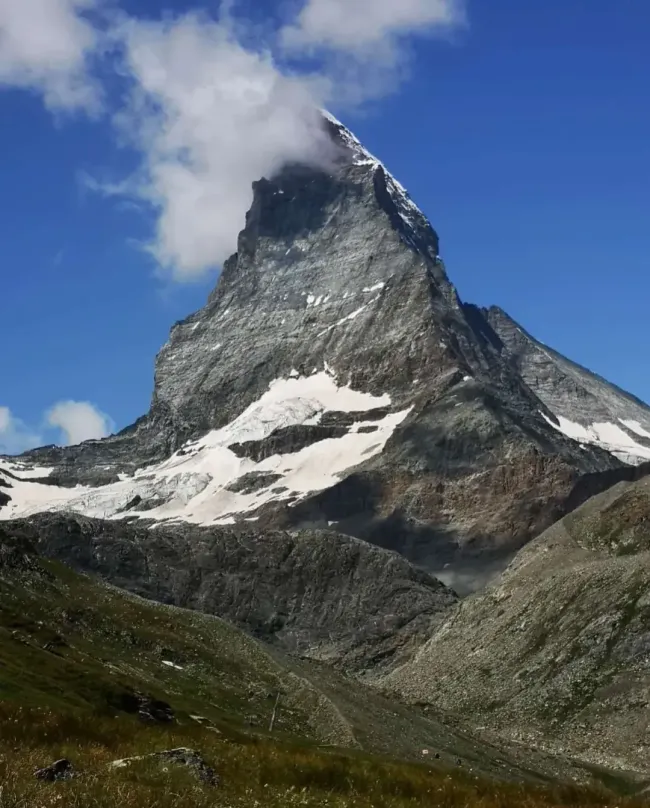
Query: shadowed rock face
<point x="341" y="271"/>
<point x="320" y="594"/>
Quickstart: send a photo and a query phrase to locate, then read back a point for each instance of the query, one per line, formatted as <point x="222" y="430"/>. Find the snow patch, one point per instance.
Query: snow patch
<point x="24" y="471"/>
<point x="376" y="288"/>
<point x="314" y="301"/>
<point x="347" y="319"/>
<point x="607" y="436"/>
<point x="194" y="486"/>
<point x="635" y="426"/>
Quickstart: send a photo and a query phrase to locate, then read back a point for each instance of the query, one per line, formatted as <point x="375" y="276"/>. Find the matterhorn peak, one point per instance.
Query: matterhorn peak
<point x="336" y="379"/>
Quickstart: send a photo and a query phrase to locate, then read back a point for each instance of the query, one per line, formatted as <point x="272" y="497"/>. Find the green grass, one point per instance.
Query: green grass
<point x="73" y="652"/>
<point x="253" y="771"/>
<point x="68" y="642"/>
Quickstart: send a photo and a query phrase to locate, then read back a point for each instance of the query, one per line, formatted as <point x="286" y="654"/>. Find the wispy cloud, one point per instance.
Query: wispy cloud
<point x="363" y="45"/>
<point x="210" y="117"/>
<point x="15" y="435"/>
<point x="209" y="108"/>
<point x="369" y="28"/>
<point x="79" y="421"/>
<point x="45" y="46"/>
<point x="66" y="423"/>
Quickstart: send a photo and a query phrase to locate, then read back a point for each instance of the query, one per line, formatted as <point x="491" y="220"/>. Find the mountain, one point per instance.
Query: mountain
<point x="556" y="653"/>
<point x="335" y="380"/>
<point x="333" y="441"/>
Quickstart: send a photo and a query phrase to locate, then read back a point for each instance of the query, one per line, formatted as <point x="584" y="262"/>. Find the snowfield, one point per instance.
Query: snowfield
<point x="193" y="484"/>
<point x="607" y="436"/>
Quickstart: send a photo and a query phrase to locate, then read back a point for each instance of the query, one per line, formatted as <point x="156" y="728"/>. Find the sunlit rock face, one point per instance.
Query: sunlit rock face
<point x="336" y="380"/>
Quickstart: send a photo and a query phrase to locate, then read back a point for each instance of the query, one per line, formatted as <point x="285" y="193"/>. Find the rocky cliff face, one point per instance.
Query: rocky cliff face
<point x="557" y="652"/>
<point x="336" y="380"/>
<point x="325" y="596"/>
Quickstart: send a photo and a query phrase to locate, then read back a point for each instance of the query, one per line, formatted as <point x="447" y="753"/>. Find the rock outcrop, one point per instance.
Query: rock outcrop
<point x="319" y="594"/>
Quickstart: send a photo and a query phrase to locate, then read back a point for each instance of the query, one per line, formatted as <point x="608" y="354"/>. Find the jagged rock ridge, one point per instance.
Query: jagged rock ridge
<point x="335" y="379"/>
<point x="586" y="406"/>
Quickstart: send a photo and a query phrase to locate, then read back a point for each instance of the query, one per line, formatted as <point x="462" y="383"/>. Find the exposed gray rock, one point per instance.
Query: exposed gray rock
<point x="342" y="271"/>
<point x="316" y="593"/>
<point x="556" y="653"/>
<point x="55" y="772"/>
<point x="286" y="440"/>
<point x="182" y="757"/>
<point x="253" y="481"/>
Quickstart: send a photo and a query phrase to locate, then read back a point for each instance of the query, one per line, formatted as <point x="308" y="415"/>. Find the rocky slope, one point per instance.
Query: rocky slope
<point x="586" y="406"/>
<point x="78" y="653"/>
<point x="78" y="647"/>
<point x="556" y="653"/>
<point x="324" y="596"/>
<point x="336" y="380"/>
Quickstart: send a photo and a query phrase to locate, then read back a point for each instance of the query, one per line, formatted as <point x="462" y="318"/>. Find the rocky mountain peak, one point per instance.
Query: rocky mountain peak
<point x="335" y="379"/>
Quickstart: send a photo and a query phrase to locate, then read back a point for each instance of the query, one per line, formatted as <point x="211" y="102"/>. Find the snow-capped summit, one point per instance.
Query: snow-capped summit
<point x="415" y="227"/>
<point x="336" y="379"/>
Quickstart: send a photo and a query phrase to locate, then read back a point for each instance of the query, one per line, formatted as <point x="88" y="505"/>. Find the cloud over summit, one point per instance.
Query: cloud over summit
<point x="210" y="103"/>
<point x="209" y="117"/>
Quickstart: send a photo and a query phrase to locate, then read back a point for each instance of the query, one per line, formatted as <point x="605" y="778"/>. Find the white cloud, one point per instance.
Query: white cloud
<point x="368" y="27"/>
<point x="210" y="117"/>
<point x="79" y="421"/>
<point x="15" y="436"/>
<point x="363" y="45"/>
<point x="75" y="421"/>
<point x="45" y="46"/>
<point x="209" y="108"/>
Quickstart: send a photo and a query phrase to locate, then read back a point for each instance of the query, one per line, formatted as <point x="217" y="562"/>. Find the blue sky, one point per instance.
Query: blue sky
<point x="524" y="136"/>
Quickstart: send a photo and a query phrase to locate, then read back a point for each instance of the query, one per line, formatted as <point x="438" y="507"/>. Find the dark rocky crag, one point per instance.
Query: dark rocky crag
<point x="342" y="270"/>
<point x="326" y="596"/>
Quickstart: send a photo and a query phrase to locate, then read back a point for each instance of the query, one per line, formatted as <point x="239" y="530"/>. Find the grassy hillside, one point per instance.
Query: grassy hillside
<point x="81" y="661"/>
<point x="252" y="771"/>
